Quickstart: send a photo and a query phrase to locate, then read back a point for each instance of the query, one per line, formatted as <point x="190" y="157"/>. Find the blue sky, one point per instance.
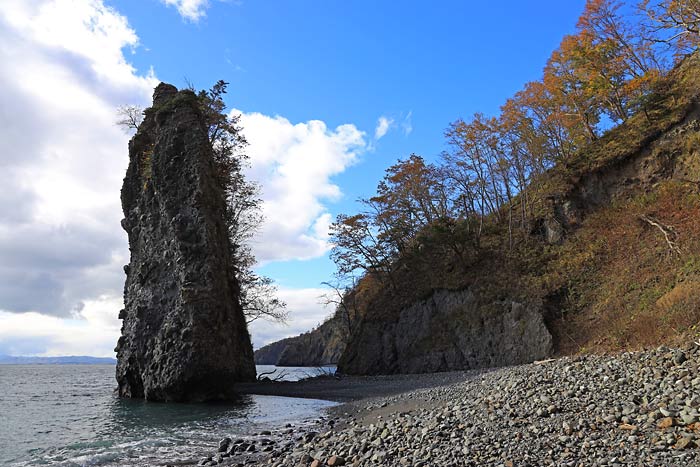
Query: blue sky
<point x="314" y="80"/>
<point x="352" y="62"/>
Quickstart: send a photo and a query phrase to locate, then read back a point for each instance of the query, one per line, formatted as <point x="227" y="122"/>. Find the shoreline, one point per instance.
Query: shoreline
<point x="346" y="389"/>
<point x="640" y="408"/>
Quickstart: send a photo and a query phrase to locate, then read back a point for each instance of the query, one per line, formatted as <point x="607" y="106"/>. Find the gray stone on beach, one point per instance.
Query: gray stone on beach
<point x="490" y="419"/>
<point x="225" y="444"/>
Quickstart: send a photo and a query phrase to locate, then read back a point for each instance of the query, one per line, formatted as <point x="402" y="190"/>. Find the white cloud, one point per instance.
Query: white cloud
<point x="383" y="126"/>
<point x="63" y="158"/>
<point x="295" y="164"/>
<point x="191" y="10"/>
<point x="407" y="124"/>
<point x="306" y="312"/>
<point x="94" y="331"/>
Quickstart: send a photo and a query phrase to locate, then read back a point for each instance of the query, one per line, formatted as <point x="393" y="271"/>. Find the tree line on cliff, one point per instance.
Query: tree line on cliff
<point x="489" y="178"/>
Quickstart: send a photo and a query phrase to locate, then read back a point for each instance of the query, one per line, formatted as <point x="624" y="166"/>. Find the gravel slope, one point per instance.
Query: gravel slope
<point x="631" y="409"/>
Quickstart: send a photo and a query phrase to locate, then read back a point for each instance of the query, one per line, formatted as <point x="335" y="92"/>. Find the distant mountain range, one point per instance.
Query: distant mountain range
<point x="68" y="360"/>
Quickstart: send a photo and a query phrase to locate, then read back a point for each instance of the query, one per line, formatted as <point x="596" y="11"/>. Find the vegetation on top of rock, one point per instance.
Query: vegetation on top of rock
<point x="243" y="214"/>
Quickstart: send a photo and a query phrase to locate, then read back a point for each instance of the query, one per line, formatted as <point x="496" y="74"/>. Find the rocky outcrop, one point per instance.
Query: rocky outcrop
<point x="451" y="330"/>
<point x="322" y="346"/>
<point x="184" y="337"/>
<point x="270" y="353"/>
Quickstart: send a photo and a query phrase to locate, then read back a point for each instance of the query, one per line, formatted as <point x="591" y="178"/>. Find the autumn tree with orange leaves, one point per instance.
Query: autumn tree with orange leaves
<point x="676" y="22"/>
<point x="597" y="78"/>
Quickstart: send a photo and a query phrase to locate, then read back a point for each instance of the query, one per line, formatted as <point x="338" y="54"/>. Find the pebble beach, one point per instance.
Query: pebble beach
<point x="629" y="409"/>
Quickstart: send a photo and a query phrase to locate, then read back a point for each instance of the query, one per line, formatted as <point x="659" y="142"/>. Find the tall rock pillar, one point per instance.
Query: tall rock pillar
<point x="184" y="336"/>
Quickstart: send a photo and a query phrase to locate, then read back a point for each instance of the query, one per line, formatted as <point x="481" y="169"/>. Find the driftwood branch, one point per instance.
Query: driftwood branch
<point x="669" y="234"/>
<point x="277" y="376"/>
<point x="543" y="362"/>
<point x="320" y="371"/>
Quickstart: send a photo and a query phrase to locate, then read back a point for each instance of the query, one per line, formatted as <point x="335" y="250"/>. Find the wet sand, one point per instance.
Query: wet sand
<point x="351" y="388"/>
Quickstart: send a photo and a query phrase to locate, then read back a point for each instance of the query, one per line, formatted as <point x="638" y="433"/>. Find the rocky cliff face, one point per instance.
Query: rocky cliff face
<point x="270" y="353"/>
<point x="322" y="346"/>
<point x="184" y="337"/>
<point x="450" y="330"/>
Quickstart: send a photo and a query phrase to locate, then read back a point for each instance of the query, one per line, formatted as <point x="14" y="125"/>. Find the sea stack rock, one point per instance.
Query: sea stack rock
<point x="184" y="336"/>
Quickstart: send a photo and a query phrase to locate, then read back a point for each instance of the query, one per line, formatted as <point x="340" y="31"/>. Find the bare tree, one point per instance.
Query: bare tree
<point x="679" y="18"/>
<point x="341" y="295"/>
<point x="129" y="117"/>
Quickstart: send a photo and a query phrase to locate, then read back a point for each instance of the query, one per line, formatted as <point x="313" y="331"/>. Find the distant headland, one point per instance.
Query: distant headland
<point x="66" y="360"/>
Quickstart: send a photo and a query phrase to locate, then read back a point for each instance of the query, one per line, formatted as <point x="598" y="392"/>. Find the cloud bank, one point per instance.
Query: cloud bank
<point x="295" y="163"/>
<point x="94" y="332"/>
<point x="63" y="159"/>
<point x="61" y="245"/>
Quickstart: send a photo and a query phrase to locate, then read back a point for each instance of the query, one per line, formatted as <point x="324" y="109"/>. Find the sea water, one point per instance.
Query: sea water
<point x="69" y="415"/>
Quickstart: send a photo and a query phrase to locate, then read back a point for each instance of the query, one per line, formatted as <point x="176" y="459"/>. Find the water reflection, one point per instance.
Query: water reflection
<point x="131" y="415"/>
